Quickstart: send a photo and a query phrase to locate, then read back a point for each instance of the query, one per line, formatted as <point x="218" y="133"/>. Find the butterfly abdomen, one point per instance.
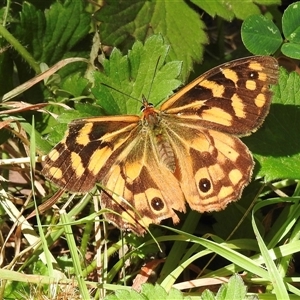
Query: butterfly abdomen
<point x="165" y="152"/>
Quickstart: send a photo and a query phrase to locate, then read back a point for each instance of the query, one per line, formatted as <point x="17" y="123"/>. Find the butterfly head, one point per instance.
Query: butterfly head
<point x="150" y="115"/>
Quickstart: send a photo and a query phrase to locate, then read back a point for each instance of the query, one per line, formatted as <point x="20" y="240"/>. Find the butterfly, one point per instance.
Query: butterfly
<point x="186" y="152"/>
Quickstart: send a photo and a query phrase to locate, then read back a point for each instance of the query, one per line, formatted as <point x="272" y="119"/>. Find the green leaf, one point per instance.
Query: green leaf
<point x="126" y="21"/>
<point x="291" y="23"/>
<point x="158" y="292"/>
<point x="75" y="84"/>
<point x="291" y="31"/>
<point x="277" y="145"/>
<point x="260" y="35"/>
<point x="31" y="28"/>
<point x="291" y="50"/>
<point x="228" y="9"/>
<point x="50" y="35"/>
<point x="58" y="130"/>
<point x="235" y="289"/>
<point x="216" y="8"/>
<point x="154" y="292"/>
<point x="140" y="73"/>
<point x="148" y="292"/>
<point x="207" y="295"/>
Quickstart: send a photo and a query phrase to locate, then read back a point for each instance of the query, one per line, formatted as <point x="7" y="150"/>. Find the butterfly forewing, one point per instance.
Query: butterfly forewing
<point x="76" y="161"/>
<point x="233" y="97"/>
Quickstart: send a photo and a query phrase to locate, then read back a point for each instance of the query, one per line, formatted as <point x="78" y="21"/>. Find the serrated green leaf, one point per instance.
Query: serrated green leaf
<point x="277" y="144"/>
<point x="76" y="84"/>
<point x="228" y="9"/>
<point x="158" y="292"/>
<point x="31" y="29"/>
<point x="67" y="23"/>
<point x="215" y="8"/>
<point x="154" y="291"/>
<point x="208" y="295"/>
<point x="50" y="35"/>
<point x="148" y="292"/>
<point x="124" y="22"/>
<point x="174" y="294"/>
<point x="124" y="294"/>
<point x="260" y="35"/>
<point x="291" y="23"/>
<point x="140" y="73"/>
<point x="236" y="288"/>
<point x="221" y="295"/>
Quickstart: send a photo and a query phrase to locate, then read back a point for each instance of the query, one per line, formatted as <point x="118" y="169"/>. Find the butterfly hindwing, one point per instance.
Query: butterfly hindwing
<point x="220" y="166"/>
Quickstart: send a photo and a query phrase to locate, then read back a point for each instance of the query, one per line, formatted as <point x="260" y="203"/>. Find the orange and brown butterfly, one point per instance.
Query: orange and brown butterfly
<point x="187" y="151"/>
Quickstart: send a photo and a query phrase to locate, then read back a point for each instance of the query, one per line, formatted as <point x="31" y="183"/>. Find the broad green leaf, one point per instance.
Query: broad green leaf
<point x="124" y="22"/>
<point x="260" y="35"/>
<point x="291" y="50"/>
<point x="291" y="31"/>
<point x="276" y="146"/>
<point x="291" y="23"/>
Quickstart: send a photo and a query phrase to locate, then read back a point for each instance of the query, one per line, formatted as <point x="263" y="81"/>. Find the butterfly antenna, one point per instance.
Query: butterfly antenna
<point x="127" y="95"/>
<point x="155" y="71"/>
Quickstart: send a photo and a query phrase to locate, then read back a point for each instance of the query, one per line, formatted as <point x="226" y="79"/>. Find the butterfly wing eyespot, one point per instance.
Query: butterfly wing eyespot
<point x="204" y="185"/>
<point x="186" y="152"/>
